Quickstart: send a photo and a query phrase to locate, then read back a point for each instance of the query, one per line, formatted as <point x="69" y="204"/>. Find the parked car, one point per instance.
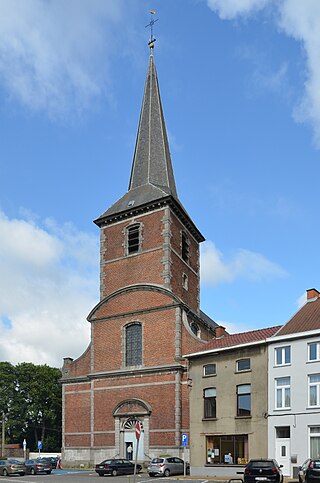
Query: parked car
<point x="11" y="466"/>
<point x="116" y="466"/>
<point x="264" y="470"/>
<point x="39" y="465"/>
<point x="167" y="466"/>
<point x="53" y="460"/>
<point x="310" y="471"/>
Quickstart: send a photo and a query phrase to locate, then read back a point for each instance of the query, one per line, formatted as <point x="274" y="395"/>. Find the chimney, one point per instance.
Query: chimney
<point x="312" y="293"/>
<point x="220" y="331"/>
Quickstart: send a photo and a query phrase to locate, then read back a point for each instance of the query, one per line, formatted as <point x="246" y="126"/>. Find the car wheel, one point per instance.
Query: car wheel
<point x="49" y="472"/>
<point x="166" y="472"/>
<point x="151" y="474"/>
<point x="114" y="473"/>
<point x="32" y="472"/>
<point x="100" y="474"/>
<point x="5" y="472"/>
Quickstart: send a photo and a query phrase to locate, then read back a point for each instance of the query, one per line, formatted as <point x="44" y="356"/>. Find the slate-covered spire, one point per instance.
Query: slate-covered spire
<point x="152" y="162"/>
<point x="152" y="181"/>
<point x="152" y="176"/>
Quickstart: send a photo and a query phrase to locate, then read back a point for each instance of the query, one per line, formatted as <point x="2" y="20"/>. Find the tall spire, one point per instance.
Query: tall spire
<point x="152" y="162"/>
<point x="152" y="177"/>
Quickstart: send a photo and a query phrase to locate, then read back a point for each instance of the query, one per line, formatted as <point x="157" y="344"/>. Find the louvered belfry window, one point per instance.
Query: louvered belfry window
<point x="133" y="239"/>
<point x="134" y="345"/>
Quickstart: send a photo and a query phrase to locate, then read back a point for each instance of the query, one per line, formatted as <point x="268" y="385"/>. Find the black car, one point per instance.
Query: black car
<point x="310" y="471"/>
<point x="53" y="460"/>
<point x="263" y="470"/>
<point x="116" y="467"/>
<point x="39" y="465"/>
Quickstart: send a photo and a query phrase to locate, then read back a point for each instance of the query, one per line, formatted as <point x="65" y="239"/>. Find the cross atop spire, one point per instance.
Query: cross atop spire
<point x="151" y="24"/>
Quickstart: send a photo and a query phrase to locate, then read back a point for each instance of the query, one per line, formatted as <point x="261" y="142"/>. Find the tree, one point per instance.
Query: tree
<point x="30" y="397"/>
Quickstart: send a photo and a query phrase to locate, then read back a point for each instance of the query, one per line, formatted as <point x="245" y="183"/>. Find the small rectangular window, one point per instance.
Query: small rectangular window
<point x="314" y="390"/>
<point x="209" y="396"/>
<point x="314" y="351"/>
<point x="210" y="370"/>
<point x="244" y="400"/>
<point x="243" y="365"/>
<point x="283" y="356"/>
<point x="283" y="393"/>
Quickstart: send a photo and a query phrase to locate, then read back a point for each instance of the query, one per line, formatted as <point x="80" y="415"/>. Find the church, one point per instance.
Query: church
<point x="148" y="315"/>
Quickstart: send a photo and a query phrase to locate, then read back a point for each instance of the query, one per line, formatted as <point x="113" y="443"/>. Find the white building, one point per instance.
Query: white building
<point x="294" y="388"/>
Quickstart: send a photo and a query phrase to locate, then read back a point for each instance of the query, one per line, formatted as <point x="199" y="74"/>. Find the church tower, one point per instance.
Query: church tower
<point x="147" y="317"/>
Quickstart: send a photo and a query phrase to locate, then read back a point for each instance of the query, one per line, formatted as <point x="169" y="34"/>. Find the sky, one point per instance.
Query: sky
<point x="239" y="82"/>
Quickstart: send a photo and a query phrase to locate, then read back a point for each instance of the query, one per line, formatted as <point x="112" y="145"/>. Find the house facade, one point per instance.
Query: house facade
<point x="229" y="402"/>
<point x="148" y="314"/>
<point x="294" y="388"/>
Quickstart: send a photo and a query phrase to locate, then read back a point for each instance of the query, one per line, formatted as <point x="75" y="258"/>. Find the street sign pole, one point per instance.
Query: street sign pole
<point x="39" y="446"/>
<point x="184" y="443"/>
<point x="24" y="444"/>
<point x="138" y="432"/>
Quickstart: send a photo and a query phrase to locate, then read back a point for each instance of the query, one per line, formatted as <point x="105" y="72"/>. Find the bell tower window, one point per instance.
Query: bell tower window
<point x="133" y="241"/>
<point x="185" y="247"/>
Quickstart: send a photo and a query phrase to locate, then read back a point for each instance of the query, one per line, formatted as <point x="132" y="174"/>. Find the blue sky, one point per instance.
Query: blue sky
<point x="239" y="81"/>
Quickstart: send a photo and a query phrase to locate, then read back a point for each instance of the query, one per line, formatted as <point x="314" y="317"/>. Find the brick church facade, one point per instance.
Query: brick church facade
<point x="147" y="317"/>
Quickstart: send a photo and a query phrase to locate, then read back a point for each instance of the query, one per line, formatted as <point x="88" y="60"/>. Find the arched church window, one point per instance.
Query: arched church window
<point x="133" y="344"/>
<point x="133" y="238"/>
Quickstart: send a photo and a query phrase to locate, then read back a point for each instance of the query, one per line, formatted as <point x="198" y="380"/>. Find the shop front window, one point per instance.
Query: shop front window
<point x="218" y="449"/>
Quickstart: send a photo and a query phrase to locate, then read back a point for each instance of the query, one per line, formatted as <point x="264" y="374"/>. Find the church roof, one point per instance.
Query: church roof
<point x="152" y="179"/>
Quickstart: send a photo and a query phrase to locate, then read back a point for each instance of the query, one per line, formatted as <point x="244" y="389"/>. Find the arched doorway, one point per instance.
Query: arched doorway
<point x="127" y="413"/>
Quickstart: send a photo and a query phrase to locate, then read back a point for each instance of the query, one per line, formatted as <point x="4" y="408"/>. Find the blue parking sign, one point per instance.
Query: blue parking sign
<point x="184" y="439"/>
<point x="39" y="444"/>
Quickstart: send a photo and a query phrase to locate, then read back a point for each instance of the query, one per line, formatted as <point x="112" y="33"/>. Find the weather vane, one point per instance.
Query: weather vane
<point x="151" y="24"/>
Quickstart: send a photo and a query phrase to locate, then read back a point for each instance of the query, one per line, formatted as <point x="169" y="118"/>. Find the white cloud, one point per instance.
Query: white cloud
<point x="229" y="9"/>
<point x="244" y="264"/>
<point x="54" y="54"/>
<point x="300" y="20"/>
<point x="48" y="285"/>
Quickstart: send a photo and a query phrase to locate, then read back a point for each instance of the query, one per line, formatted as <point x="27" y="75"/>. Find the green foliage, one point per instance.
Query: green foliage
<point x="30" y="398"/>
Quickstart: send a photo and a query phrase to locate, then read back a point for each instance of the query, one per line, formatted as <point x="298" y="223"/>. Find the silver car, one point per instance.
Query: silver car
<point x="167" y="466"/>
<point x="11" y="466"/>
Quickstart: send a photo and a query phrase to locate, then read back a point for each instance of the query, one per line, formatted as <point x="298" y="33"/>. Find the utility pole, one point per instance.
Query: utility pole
<point x="3" y="436"/>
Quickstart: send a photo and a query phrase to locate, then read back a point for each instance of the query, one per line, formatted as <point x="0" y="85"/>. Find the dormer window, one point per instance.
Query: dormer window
<point x="185" y="247"/>
<point x="133" y="241"/>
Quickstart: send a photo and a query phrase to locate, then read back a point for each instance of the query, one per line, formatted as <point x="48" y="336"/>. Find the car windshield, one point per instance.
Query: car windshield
<point x="106" y="462"/>
<point x="15" y="462"/>
<point x="157" y="460"/>
<point x="317" y="464"/>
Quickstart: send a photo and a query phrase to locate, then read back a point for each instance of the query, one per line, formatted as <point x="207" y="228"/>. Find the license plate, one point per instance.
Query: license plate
<point x="261" y="478"/>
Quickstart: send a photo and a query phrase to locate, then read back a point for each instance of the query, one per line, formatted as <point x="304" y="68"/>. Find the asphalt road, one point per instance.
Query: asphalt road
<point x="66" y="476"/>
